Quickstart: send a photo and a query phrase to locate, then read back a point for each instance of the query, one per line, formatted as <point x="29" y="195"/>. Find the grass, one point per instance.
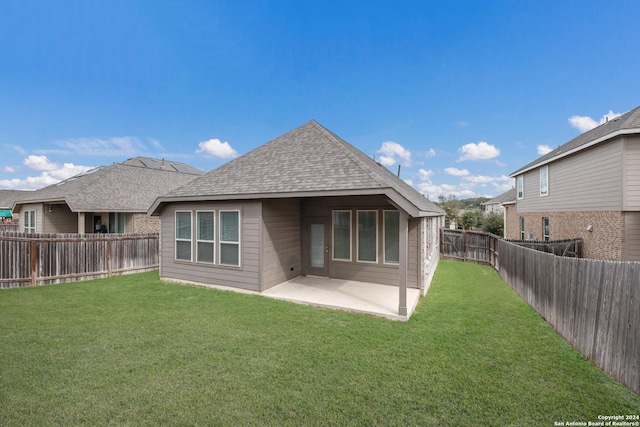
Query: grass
<point x="133" y="350"/>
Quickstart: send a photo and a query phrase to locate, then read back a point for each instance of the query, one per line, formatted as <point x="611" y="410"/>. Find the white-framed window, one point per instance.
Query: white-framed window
<point x="367" y="236"/>
<point x="341" y="229"/>
<point x="391" y="237"/>
<point x="229" y="238"/>
<point x="183" y="235"/>
<point x="205" y="236"/>
<point x="520" y="186"/>
<point x="545" y="229"/>
<point x="29" y="222"/>
<point x="521" y="228"/>
<point x="117" y="221"/>
<point x="544" y="181"/>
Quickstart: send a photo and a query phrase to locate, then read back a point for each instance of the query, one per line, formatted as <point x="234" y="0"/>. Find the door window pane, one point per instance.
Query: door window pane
<point x="367" y="236"/>
<point x="317" y="245"/>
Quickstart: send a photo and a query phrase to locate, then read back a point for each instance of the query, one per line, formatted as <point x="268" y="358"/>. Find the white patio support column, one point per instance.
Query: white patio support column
<point x="81" y="222"/>
<point x="403" y="262"/>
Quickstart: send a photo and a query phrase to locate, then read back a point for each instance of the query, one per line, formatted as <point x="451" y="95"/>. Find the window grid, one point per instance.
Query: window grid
<point x="183" y="236"/>
<point x="229" y="237"/>
<point x="391" y="242"/>
<point x="366" y="242"/>
<point x="338" y="219"/>
<point x="520" y="186"/>
<point x="544" y="181"/>
<point x="205" y="237"/>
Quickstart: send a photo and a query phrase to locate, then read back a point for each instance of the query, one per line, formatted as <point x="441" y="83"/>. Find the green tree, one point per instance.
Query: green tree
<point x="451" y="207"/>
<point x="471" y="218"/>
<point x="493" y="222"/>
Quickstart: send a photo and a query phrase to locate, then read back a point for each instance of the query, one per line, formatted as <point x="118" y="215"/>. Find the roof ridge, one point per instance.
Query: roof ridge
<point x="345" y="147"/>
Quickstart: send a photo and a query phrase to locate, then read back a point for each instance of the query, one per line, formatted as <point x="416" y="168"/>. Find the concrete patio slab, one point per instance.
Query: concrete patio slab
<point x="348" y="295"/>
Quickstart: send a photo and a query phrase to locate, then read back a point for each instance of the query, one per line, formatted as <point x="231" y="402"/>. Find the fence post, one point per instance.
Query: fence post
<point x="34" y="263"/>
<point x="554" y="298"/>
<point x="109" y="270"/>
<point x="464" y="245"/>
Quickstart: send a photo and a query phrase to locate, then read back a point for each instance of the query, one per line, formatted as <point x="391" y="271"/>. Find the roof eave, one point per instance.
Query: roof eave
<point x="156" y="206"/>
<point x="575" y="150"/>
<point x="399" y="200"/>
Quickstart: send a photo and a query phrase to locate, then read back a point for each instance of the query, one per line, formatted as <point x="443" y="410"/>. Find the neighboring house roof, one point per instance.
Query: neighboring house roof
<point x="305" y="162"/>
<point x="506" y="197"/>
<point x="130" y="186"/>
<point x="9" y="197"/>
<point x="628" y="123"/>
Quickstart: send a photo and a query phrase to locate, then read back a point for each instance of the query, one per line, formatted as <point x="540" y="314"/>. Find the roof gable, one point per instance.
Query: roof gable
<point x="624" y="124"/>
<point x="308" y="159"/>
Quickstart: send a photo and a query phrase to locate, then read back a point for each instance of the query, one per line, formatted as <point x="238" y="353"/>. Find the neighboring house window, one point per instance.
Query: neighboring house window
<point x="545" y="229"/>
<point x="229" y="226"/>
<point x="117" y="221"/>
<point x="520" y="186"/>
<point x="342" y="235"/>
<point x="391" y="237"/>
<point x="368" y="236"/>
<point x="30" y="221"/>
<point x="544" y="181"/>
<point x="205" y="240"/>
<point x="521" y="228"/>
<point x="183" y="235"/>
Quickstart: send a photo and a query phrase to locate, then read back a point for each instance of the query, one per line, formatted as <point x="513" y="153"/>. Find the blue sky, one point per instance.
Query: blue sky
<point x="460" y="93"/>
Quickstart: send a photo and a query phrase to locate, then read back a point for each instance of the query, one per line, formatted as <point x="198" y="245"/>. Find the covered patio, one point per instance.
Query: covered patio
<point x="348" y="295"/>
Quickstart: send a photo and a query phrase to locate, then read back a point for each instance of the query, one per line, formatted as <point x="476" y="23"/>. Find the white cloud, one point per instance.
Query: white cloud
<point x="462" y="123"/>
<point x="387" y="161"/>
<point x="408" y="181"/>
<point x="8" y="169"/>
<point x="425" y="175"/>
<point x="543" y="149"/>
<point x="393" y="152"/>
<point x="585" y="123"/>
<point x="125" y="146"/>
<point x="456" y="172"/>
<point x="215" y="147"/>
<point x="479" y="151"/>
<point x="39" y="163"/>
<point x="431" y="153"/>
<point x="52" y="173"/>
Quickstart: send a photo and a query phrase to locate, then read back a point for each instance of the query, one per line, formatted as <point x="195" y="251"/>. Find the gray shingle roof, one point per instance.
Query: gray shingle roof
<point x="120" y="187"/>
<point x="309" y="159"/>
<point x="9" y="197"/>
<point x="507" y="196"/>
<point x="627" y="122"/>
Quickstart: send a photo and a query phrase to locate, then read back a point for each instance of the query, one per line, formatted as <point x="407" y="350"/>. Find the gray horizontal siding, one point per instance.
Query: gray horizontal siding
<point x="245" y="277"/>
<point x="281" y="259"/>
<point x="632" y="173"/>
<point x="631" y="236"/>
<point x="590" y="180"/>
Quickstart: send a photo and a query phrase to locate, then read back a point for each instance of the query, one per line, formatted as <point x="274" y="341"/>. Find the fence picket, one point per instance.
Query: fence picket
<point x="593" y="304"/>
<point x="40" y="259"/>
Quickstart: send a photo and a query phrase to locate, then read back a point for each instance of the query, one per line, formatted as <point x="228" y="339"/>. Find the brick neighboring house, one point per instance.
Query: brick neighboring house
<point x="107" y="199"/>
<point x="589" y="187"/>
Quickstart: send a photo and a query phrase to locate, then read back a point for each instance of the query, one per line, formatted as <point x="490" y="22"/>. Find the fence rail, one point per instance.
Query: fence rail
<point x="41" y="259"/>
<point x="593" y="304"/>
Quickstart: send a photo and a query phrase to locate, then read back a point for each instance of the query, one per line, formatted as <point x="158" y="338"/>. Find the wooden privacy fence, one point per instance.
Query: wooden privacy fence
<point x="593" y="304"/>
<point x="40" y="259"/>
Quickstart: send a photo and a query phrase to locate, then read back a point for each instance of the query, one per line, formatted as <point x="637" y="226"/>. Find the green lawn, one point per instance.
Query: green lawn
<point x="135" y="351"/>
